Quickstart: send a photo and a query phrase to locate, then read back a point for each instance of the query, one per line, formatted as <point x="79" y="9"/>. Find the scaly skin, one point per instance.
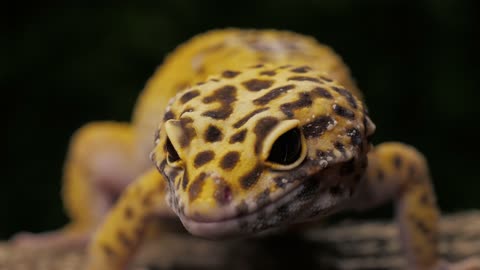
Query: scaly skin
<point x="277" y="134"/>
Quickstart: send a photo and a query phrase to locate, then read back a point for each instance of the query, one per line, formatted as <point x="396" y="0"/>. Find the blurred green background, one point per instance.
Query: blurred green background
<point x="65" y="65"/>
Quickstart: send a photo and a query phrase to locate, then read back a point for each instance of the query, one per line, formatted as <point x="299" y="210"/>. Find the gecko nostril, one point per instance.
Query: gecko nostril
<point x="227" y="194"/>
<point x="223" y="193"/>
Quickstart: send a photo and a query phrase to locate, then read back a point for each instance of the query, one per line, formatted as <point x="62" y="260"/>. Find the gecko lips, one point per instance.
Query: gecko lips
<point x="302" y="201"/>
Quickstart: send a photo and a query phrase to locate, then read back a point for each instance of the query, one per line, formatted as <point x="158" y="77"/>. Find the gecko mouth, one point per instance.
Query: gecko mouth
<point x="259" y="219"/>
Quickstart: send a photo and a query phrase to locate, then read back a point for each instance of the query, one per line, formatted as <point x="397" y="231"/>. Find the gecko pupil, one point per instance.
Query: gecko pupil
<point x="172" y="153"/>
<point x="287" y="148"/>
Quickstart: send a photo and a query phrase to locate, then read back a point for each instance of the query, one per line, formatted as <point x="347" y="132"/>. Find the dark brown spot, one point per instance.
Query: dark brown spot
<point x="326" y="79"/>
<point x="223" y="192"/>
<point x="124" y="240"/>
<point x="340" y="147"/>
<point x="188" y="132"/>
<point x="225" y="95"/>
<point x="268" y="73"/>
<point x="257" y="85"/>
<point x="147" y="199"/>
<point x="128" y="213"/>
<point x="213" y="134"/>
<point x="263" y="127"/>
<point x="168" y="115"/>
<point x="196" y="186"/>
<point x="229" y="160"/>
<point x="257" y="66"/>
<point x="303" y="78"/>
<point x="425" y="199"/>
<point x="321" y="92"/>
<point x="308" y="189"/>
<point x="203" y="158"/>
<point x="251" y="178"/>
<point x="303" y="69"/>
<point x="317" y="126"/>
<point x="247" y="117"/>
<point x="263" y="198"/>
<point x="230" y="74"/>
<point x="347" y="95"/>
<point x="348" y="167"/>
<point x="355" y="136"/>
<point x="185" y="180"/>
<point x="108" y="250"/>
<point x="273" y="94"/>
<point x="238" y="137"/>
<point x="189" y="96"/>
<point x="304" y="101"/>
<point x="343" y="112"/>
<point x="397" y="161"/>
<point x="421" y="225"/>
<point x="214" y="80"/>
<point x="321" y="154"/>
<point x="218" y="114"/>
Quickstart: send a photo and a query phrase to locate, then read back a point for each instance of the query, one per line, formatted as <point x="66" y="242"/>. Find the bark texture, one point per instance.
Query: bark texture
<point x="349" y="245"/>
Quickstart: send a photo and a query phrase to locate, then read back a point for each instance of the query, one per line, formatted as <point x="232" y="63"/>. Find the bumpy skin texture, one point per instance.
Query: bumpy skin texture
<point x="278" y="134"/>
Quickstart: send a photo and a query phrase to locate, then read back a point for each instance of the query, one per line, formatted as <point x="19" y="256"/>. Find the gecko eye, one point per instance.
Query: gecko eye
<point x="288" y="150"/>
<point x="172" y="154"/>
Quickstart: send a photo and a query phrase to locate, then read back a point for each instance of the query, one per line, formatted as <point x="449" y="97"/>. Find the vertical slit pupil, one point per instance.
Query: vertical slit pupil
<point x="287" y="148"/>
<point x="172" y="153"/>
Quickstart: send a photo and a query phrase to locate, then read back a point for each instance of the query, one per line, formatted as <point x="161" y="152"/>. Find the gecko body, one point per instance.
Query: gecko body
<point x="250" y="130"/>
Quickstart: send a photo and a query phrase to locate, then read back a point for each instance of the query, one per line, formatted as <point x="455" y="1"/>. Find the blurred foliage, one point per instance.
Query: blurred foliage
<point x="64" y="65"/>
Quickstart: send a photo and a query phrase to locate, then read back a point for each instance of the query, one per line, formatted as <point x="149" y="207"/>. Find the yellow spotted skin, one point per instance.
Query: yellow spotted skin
<point x="250" y="130"/>
<point x="224" y="135"/>
<point x="220" y="50"/>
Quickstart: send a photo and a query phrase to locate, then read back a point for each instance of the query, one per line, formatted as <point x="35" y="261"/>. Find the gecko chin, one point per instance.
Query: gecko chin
<point x="305" y="201"/>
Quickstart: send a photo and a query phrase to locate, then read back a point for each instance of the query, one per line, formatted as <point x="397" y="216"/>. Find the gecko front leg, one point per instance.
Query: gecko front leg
<point x="122" y="231"/>
<point x="399" y="172"/>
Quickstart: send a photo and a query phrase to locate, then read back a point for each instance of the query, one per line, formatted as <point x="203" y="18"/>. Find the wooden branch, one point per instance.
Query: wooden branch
<point x="350" y="245"/>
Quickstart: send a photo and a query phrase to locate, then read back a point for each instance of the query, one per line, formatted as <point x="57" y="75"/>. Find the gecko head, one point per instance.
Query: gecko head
<point x="254" y="149"/>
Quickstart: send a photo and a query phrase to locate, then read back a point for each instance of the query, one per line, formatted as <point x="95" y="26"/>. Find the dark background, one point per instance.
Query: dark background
<point x="64" y="65"/>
